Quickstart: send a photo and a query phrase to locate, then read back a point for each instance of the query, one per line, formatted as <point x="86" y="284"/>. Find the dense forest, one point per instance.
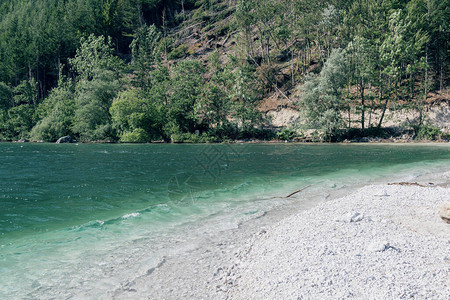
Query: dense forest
<point x="196" y="70"/>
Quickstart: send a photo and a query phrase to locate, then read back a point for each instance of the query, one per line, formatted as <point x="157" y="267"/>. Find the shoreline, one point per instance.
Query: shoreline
<point x="380" y="241"/>
<point x="370" y="141"/>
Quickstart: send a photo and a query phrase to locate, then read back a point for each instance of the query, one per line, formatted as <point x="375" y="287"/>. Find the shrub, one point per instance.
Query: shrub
<point x="226" y="131"/>
<point x="256" y="133"/>
<point x="428" y="132"/>
<point x="193" y="138"/>
<point x="191" y="50"/>
<point x="286" y="134"/>
<point x="138" y="135"/>
<point x="179" y="52"/>
<point x="222" y="30"/>
<point x="49" y="129"/>
<point x="163" y="43"/>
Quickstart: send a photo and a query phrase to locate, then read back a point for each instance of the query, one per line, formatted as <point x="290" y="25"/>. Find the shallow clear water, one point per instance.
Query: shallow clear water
<point x="74" y="218"/>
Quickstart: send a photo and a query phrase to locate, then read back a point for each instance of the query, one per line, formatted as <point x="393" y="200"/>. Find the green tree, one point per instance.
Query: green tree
<point x="56" y="113"/>
<point x="322" y="96"/>
<point x="362" y="60"/>
<point x="18" y="116"/>
<point x="94" y="55"/>
<point x="186" y="89"/>
<point x="214" y="105"/>
<point x="244" y="20"/>
<point x="6" y="96"/>
<point x="97" y="86"/>
<point x="244" y="97"/>
<point x="18" y="123"/>
<point x="145" y="54"/>
<point x="26" y="93"/>
<point x="93" y="99"/>
<point x="137" y="119"/>
<point x="400" y="54"/>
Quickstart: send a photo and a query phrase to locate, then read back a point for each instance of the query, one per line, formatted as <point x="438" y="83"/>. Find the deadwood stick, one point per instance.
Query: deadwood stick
<point x="298" y="191"/>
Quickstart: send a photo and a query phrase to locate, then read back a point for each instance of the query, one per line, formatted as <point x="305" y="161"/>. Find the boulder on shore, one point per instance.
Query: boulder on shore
<point x="444" y="212"/>
<point x="65" y="139"/>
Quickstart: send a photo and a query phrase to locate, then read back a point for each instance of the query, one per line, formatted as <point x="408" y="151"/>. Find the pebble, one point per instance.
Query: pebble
<point x="378" y="246"/>
<point x="388" y="255"/>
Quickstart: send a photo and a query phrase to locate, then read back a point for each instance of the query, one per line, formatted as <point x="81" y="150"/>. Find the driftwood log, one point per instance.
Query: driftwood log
<point x="298" y="191"/>
<point x="411" y="183"/>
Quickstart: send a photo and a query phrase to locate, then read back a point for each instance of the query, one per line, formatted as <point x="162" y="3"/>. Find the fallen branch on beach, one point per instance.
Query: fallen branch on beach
<point x="298" y="191"/>
<point x="411" y="183"/>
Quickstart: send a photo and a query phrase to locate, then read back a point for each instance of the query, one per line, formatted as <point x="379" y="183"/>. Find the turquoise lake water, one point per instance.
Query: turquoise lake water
<point x="81" y="217"/>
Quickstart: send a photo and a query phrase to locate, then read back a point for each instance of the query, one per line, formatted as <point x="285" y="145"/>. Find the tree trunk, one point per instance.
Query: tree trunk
<point x="385" y="104"/>
<point x="292" y="68"/>
<point x="182" y="8"/>
<point x="140" y="16"/>
<point x="382" y="114"/>
<point x="362" y="104"/>
<point x="349" y="104"/>
<point x="164" y="33"/>
<point x="371" y="107"/>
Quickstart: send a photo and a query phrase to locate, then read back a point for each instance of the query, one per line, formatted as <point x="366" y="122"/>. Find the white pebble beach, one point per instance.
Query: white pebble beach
<point x="382" y="242"/>
<point x="379" y="242"/>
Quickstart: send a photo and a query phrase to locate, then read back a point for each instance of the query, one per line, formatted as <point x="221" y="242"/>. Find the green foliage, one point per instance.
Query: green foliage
<point x="188" y="137"/>
<point x="138" y="135"/>
<point x="97" y="86"/>
<point x="5" y="96"/>
<point x="362" y="60"/>
<point x="145" y="54"/>
<point x="94" y="55"/>
<point x="179" y="52"/>
<point x="395" y="52"/>
<point x="226" y="132"/>
<point x="256" y="133"/>
<point x="165" y="44"/>
<point x="222" y="30"/>
<point x="133" y="114"/>
<point x="397" y="49"/>
<point x="244" y="94"/>
<point x="429" y="133"/>
<point x="49" y="129"/>
<point x="322" y="99"/>
<point x="93" y="100"/>
<point x="186" y="89"/>
<point x="214" y="105"/>
<point x="26" y="92"/>
<point x="18" y="122"/>
<point x="36" y="36"/>
<point x="56" y="113"/>
<point x="286" y="134"/>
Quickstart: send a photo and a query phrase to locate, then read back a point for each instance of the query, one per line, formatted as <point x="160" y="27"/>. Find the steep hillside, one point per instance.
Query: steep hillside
<point x="204" y="31"/>
<point x="217" y="70"/>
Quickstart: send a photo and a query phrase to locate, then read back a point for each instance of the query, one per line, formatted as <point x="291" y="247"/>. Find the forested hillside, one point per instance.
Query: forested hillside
<point x="186" y="70"/>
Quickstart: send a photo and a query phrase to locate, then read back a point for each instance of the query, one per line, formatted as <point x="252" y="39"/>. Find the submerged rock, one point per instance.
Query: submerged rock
<point x="65" y="139"/>
<point x="444" y="212"/>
